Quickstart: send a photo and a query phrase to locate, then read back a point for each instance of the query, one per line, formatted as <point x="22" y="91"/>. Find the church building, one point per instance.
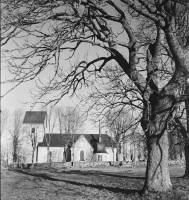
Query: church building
<point x="67" y="147"/>
<point x="77" y="147"/>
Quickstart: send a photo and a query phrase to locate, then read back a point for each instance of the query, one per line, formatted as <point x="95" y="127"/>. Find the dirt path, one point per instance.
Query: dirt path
<point x="79" y="184"/>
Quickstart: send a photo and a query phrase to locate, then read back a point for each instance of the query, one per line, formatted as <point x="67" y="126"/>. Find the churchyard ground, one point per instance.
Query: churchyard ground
<point x="104" y="183"/>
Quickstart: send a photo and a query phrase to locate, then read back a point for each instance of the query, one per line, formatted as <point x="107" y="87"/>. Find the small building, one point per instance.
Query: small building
<point x="80" y="147"/>
<point x="77" y="147"/>
<point x="36" y="122"/>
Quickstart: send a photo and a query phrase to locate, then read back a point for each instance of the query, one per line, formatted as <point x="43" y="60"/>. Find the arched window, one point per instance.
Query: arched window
<point x="33" y="130"/>
<point x="81" y="155"/>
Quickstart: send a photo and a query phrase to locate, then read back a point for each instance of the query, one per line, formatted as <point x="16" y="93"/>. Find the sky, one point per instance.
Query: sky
<point x="20" y="96"/>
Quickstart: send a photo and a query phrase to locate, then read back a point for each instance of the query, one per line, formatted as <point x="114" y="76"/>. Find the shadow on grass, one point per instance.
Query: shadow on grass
<point x="97" y="173"/>
<point x="99" y="187"/>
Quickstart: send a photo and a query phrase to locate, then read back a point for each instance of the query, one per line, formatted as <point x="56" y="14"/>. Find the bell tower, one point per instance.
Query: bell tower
<point x="100" y="148"/>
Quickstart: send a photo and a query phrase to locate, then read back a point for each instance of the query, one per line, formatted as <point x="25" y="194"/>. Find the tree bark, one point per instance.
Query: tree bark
<point x="113" y="157"/>
<point x="157" y="171"/>
<point x="33" y="151"/>
<point x="157" y="112"/>
<point x="112" y="150"/>
<point x="48" y="154"/>
<point x="118" y="153"/>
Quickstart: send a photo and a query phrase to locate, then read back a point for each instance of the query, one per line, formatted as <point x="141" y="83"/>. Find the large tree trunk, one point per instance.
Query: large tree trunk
<point x="157" y="171"/>
<point x="156" y="115"/>
<point x="158" y="109"/>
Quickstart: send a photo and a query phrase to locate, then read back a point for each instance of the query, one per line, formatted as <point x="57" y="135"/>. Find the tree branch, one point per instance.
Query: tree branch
<point x="182" y="128"/>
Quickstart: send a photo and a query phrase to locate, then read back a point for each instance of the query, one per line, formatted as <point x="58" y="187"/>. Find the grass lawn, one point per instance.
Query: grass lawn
<point x="85" y="183"/>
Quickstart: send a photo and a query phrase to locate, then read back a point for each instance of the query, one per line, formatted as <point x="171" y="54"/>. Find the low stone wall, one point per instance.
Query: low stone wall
<point x="60" y="165"/>
<point x="90" y="164"/>
<point x="81" y="164"/>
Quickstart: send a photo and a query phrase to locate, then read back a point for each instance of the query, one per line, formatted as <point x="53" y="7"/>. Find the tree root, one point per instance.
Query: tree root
<point x="145" y="193"/>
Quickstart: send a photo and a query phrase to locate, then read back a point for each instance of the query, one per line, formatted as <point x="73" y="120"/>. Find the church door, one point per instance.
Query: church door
<point x="81" y="155"/>
<point x="99" y="157"/>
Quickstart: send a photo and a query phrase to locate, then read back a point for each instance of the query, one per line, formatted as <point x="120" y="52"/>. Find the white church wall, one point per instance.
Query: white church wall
<point x="100" y="157"/>
<point x="111" y="156"/>
<point x="39" y="130"/>
<point x="42" y="154"/>
<point x="56" y="156"/>
<point x="26" y="150"/>
<point x="82" y="144"/>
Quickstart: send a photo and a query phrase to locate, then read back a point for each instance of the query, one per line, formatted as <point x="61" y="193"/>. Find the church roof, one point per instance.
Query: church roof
<point x="35" y="117"/>
<point x="60" y="140"/>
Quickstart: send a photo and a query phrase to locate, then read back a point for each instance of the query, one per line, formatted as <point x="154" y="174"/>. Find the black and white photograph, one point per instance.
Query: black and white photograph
<point x="94" y="100"/>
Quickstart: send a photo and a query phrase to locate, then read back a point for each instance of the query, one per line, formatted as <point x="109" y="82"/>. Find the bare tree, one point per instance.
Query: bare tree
<point x="72" y="124"/>
<point x="31" y="134"/>
<point x="176" y="141"/>
<point x="71" y="24"/>
<point x="183" y="124"/>
<point x="51" y="120"/>
<point x="3" y="155"/>
<point x="119" y="123"/>
<point x="17" y="132"/>
<point x="72" y="121"/>
<point x="4" y="120"/>
<point x="59" y="112"/>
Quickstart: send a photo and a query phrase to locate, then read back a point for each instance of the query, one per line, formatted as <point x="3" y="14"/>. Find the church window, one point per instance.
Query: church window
<point x="81" y="155"/>
<point x="33" y="130"/>
<point x="99" y="157"/>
